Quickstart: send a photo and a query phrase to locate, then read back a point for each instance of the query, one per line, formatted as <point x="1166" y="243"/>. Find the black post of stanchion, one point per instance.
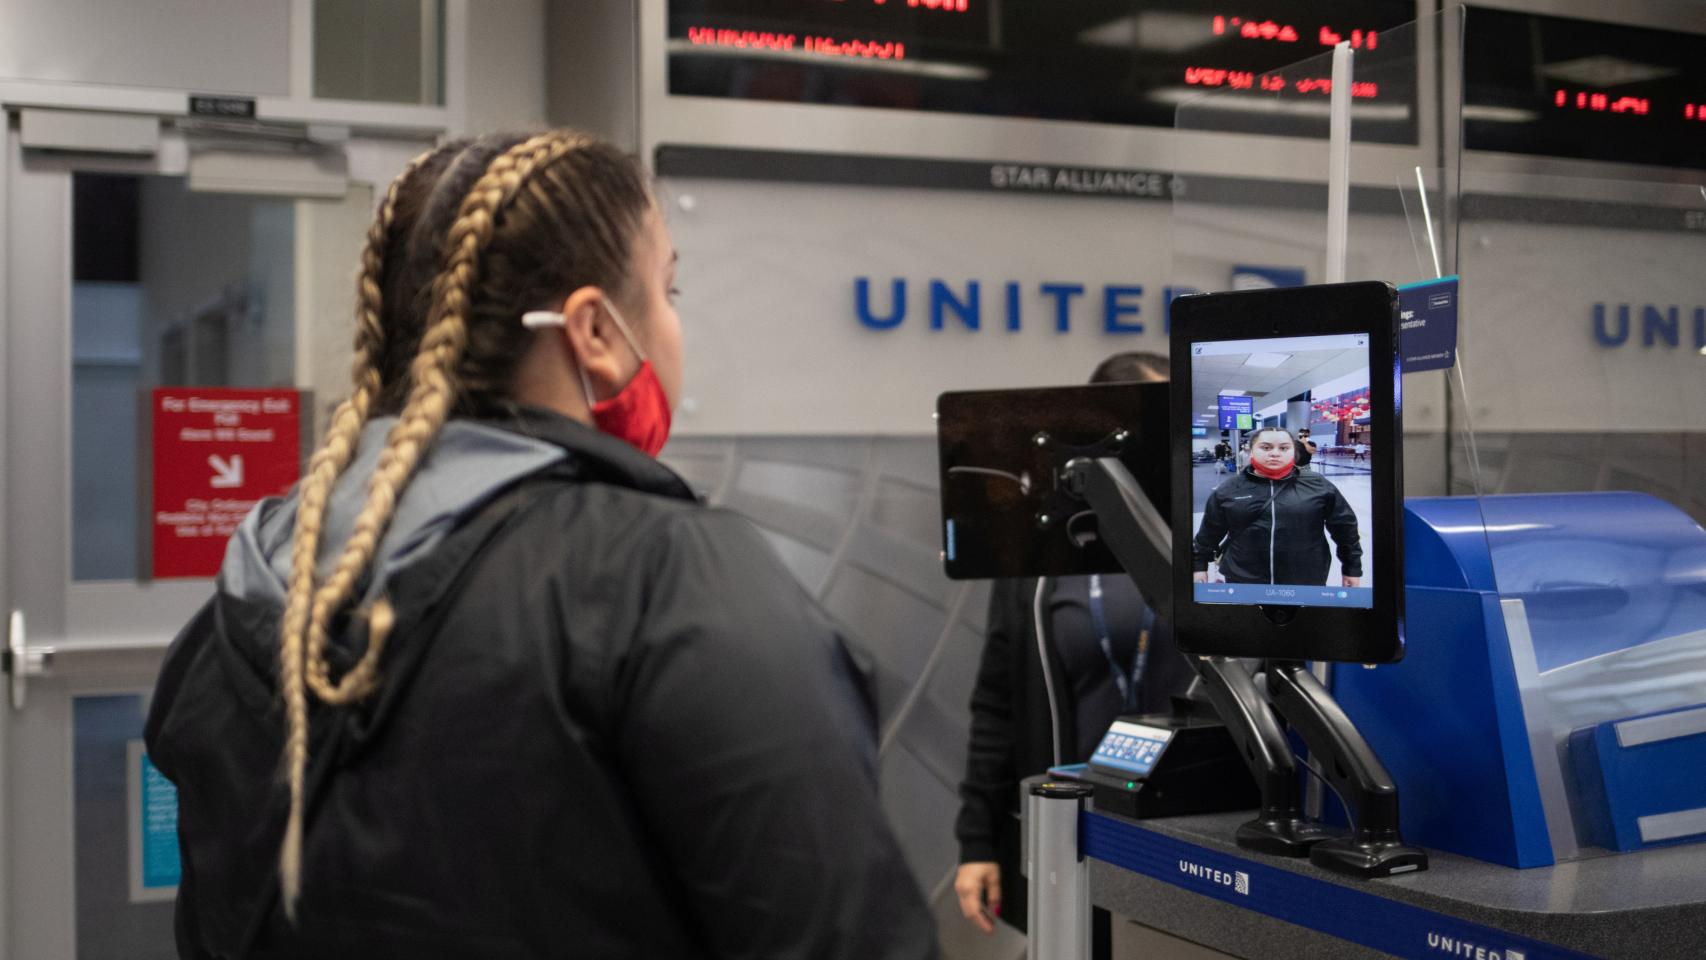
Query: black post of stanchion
<point x="1059" y="876"/>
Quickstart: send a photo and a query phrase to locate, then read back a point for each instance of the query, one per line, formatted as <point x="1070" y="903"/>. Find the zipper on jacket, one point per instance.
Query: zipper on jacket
<point x="1273" y="530"/>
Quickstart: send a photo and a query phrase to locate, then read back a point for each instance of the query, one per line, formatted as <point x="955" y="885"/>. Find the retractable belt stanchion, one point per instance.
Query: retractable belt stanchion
<point x="1059" y="876"/>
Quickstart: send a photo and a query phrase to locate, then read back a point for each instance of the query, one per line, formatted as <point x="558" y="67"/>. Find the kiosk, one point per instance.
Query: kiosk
<point x="1543" y="736"/>
<point x="1507" y="757"/>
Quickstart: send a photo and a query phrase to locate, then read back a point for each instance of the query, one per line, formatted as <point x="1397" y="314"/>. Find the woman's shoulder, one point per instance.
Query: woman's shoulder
<point x="671" y="560"/>
<point x="654" y="528"/>
<point x="1234" y="485"/>
<point x="1313" y="482"/>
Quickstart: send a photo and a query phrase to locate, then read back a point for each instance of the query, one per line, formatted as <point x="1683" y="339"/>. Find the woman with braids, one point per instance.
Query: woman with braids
<point x="490" y="682"/>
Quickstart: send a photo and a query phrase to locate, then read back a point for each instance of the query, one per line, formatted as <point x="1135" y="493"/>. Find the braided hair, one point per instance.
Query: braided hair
<point x="468" y="237"/>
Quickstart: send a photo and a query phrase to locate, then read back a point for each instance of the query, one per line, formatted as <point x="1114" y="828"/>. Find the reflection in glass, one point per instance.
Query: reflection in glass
<point x="386" y="51"/>
<point x="170" y="288"/>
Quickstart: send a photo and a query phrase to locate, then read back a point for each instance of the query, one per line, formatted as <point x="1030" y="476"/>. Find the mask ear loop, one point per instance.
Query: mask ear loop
<point x="540" y="319"/>
<point x="622" y="325"/>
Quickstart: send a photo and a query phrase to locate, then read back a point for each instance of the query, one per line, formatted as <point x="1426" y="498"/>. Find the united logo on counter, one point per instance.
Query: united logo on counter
<point x="216" y="453"/>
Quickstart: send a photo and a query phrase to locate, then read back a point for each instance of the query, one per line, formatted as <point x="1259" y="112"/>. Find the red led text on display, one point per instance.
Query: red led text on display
<point x="1272" y="82"/>
<point x="823" y="46"/>
<point x="1593" y="101"/>
<point x="945" y="6"/>
<point x="1248" y="29"/>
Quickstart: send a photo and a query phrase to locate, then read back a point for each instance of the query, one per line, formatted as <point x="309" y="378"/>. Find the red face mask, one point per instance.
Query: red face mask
<point x="639" y="412"/>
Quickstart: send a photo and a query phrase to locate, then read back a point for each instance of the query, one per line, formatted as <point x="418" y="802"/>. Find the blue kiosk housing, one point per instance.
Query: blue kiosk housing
<point x="1568" y="634"/>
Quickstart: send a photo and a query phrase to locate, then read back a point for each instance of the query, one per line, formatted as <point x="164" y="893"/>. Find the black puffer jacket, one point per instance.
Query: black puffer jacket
<point x="611" y="725"/>
<point x="1270" y="531"/>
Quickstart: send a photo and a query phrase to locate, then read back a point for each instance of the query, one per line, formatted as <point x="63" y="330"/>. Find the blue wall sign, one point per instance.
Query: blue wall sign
<point x="1427" y="324"/>
<point x="1237" y="413"/>
<point x="1651" y="325"/>
<point x="1006" y="305"/>
<point x="160" y="865"/>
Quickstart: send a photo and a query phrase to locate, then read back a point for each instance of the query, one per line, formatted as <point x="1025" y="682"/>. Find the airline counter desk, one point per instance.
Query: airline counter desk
<point x="1185" y="877"/>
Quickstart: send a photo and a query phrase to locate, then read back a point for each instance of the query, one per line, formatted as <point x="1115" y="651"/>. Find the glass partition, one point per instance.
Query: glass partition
<point x="172" y="288"/>
<point x="1592" y="459"/>
<point x="1234" y="232"/>
<point x="1571" y="420"/>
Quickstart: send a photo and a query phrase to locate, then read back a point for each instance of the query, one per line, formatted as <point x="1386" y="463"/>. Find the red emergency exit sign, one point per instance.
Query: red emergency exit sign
<point x="216" y="453"/>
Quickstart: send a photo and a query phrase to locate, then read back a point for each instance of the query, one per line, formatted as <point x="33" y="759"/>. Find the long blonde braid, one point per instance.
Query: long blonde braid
<point x="432" y="396"/>
<point x="313" y="493"/>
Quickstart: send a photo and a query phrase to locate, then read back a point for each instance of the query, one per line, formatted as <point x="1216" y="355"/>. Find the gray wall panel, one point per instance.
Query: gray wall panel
<point x="909" y="509"/>
<point x="237" y="46"/>
<point x="809" y="565"/>
<point x="826" y="489"/>
<point x="903" y="563"/>
<point x="803" y="523"/>
<point x="890" y="622"/>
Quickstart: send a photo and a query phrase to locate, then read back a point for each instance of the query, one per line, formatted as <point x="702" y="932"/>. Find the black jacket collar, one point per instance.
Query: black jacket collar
<point x="594" y="455"/>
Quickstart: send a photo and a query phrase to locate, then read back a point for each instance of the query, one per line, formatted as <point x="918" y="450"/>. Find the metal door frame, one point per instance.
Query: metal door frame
<point x="105" y="637"/>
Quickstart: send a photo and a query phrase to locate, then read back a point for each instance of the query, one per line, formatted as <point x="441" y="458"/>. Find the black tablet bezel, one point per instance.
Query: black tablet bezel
<point x="1354" y="635"/>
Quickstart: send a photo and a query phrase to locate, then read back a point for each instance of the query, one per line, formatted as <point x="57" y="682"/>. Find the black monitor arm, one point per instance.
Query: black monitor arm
<point x="1280" y="827"/>
<point x="1375" y="847"/>
<point x="1141" y="540"/>
<point x="1127" y="523"/>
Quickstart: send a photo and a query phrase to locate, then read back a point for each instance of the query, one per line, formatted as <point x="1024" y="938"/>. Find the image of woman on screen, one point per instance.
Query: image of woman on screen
<point x="1269" y="523"/>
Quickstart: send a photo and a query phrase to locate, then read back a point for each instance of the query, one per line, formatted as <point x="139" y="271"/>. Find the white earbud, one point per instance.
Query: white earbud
<point x="535" y="319"/>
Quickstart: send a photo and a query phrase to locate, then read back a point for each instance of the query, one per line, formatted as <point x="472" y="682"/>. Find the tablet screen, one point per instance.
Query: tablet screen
<point x="1282" y="471"/>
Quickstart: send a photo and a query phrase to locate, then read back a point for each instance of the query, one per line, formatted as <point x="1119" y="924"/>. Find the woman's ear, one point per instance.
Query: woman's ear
<point x="587" y="331"/>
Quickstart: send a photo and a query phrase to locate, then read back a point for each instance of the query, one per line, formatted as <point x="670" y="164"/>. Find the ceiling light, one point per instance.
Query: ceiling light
<point x="1491" y="114"/>
<point x="1161" y="31"/>
<point x="1267" y="360"/>
<point x="1603" y="71"/>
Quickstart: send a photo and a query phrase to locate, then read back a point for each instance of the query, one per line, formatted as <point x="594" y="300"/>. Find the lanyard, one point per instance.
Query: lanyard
<point x="1128" y="686"/>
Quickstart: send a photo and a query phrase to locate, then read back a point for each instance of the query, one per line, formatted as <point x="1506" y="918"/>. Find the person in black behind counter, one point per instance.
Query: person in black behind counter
<point x="532" y="699"/>
<point x="1062" y="659"/>
<point x="1265" y="523"/>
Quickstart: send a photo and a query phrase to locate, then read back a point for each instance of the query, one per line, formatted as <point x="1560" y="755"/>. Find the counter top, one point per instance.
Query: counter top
<point x="1184" y="875"/>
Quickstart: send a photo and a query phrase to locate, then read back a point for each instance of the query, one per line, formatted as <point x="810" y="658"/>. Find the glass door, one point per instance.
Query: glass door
<point x="168" y="356"/>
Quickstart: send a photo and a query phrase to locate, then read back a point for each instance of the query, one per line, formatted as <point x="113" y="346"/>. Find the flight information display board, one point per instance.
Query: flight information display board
<point x="1582" y="90"/>
<point x="1100" y="61"/>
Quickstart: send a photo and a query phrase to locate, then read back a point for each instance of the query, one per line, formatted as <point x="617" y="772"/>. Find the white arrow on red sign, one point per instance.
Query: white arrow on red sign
<point x="226" y="473"/>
